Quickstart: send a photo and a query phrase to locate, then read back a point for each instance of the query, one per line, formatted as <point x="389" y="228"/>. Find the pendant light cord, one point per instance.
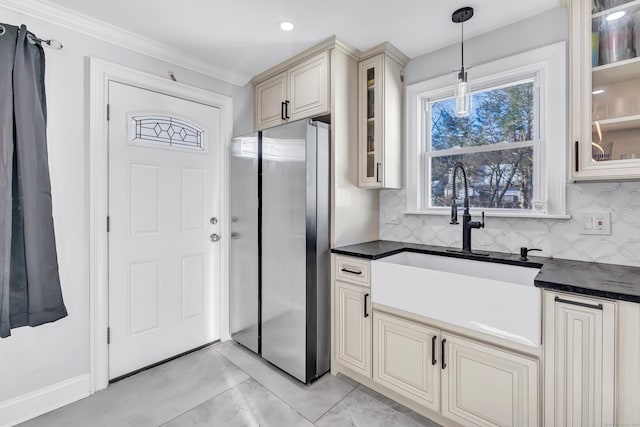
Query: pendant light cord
<point x="462" y="46"/>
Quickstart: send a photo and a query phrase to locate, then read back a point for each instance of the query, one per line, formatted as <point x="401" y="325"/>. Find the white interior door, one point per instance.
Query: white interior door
<point x="164" y="163"/>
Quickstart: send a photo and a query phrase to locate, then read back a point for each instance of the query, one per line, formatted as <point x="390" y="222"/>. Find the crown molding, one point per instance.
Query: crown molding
<point x="390" y="50"/>
<point x="67" y="18"/>
<point x="331" y="43"/>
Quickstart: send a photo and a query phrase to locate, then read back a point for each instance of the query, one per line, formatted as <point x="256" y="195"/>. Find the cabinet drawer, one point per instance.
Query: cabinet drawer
<point x="353" y="270"/>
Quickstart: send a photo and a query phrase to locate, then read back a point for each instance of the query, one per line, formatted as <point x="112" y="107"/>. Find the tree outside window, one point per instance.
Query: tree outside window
<point x="495" y="143"/>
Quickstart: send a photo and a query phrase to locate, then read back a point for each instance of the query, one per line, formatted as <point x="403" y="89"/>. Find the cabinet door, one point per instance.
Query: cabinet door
<point x="485" y="386"/>
<point x="268" y="97"/>
<point x="405" y="359"/>
<point x="353" y="328"/>
<point x="579" y="361"/>
<point x="309" y="88"/>
<point x="370" y="118"/>
<point x="605" y="88"/>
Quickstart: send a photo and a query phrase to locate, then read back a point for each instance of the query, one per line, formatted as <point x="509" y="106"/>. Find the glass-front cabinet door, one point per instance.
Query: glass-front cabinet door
<point x="370" y="121"/>
<point x="605" y="89"/>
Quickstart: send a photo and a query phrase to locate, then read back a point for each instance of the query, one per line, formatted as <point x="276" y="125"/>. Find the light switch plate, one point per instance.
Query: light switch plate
<point x="595" y="223"/>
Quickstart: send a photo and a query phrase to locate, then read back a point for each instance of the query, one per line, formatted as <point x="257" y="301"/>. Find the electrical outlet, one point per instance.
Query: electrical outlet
<point x="596" y="223"/>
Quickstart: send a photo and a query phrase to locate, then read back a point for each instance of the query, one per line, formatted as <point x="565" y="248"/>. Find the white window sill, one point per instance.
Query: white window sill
<point x="477" y="212"/>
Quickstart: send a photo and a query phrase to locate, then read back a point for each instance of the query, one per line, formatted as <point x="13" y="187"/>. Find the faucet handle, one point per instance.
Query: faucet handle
<point x="454" y="212"/>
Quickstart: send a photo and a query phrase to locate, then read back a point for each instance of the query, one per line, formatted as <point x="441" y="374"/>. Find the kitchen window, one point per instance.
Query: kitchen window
<point x="513" y="144"/>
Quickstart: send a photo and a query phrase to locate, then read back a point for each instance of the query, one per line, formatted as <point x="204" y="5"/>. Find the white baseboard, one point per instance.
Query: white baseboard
<point x="30" y="405"/>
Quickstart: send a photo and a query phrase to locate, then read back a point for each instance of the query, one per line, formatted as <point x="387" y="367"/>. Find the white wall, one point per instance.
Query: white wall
<point x="540" y="30"/>
<point x="33" y="358"/>
<point x="558" y="238"/>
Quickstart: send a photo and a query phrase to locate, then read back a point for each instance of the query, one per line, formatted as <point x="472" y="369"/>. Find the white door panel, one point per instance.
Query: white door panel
<point x="163" y="189"/>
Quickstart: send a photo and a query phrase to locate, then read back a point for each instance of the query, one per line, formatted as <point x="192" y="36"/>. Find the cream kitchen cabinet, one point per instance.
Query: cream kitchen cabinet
<point x="604" y="89"/>
<point x="380" y="117"/>
<point x="486" y="386"/>
<point x="269" y="100"/>
<point x="469" y="382"/>
<point x="352" y="314"/>
<point x="353" y="327"/>
<point x="299" y="92"/>
<point x="406" y="359"/>
<point x="579" y="354"/>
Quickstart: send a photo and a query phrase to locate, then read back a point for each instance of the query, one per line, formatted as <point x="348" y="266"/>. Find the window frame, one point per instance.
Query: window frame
<point x="546" y="66"/>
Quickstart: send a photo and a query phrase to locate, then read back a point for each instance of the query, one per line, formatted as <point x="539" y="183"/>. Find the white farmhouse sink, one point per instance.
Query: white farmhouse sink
<point x="496" y="299"/>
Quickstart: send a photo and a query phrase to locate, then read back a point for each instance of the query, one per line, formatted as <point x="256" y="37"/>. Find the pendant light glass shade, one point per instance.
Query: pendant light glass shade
<point x="462" y="95"/>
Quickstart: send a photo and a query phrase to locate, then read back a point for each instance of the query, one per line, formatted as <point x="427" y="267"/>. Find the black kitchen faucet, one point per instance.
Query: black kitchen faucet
<point x="467" y="224"/>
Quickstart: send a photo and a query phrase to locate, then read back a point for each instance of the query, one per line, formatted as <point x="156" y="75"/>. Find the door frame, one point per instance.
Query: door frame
<point x="101" y="73"/>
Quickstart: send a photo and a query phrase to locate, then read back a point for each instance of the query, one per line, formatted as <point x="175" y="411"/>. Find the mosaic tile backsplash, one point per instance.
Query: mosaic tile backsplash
<point x="557" y="238"/>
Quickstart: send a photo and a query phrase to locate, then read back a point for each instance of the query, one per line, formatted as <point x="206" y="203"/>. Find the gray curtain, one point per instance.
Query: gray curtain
<point x="30" y="291"/>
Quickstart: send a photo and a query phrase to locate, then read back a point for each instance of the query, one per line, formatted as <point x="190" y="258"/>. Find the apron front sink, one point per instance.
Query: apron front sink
<point x="497" y="299"/>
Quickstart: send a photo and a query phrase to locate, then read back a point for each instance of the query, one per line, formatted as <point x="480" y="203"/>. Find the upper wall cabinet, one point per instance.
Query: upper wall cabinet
<point x="605" y="89"/>
<point x="380" y="117"/>
<point x="299" y="92"/>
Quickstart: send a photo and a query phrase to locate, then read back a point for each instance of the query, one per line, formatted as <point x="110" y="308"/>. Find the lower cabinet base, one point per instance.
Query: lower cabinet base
<point x="368" y="382"/>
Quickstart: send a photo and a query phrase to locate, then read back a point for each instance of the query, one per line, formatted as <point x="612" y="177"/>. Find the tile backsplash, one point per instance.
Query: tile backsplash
<point x="557" y="238"/>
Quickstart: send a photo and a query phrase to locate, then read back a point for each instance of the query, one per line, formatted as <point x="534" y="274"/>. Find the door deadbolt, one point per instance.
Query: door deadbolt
<point x="213" y="220"/>
<point x="214" y="237"/>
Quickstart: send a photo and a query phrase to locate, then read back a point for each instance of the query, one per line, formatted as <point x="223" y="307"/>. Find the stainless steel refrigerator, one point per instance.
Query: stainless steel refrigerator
<point x="279" y="255"/>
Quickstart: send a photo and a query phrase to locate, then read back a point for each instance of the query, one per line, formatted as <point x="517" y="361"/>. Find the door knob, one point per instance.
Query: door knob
<point x="214" y="237"/>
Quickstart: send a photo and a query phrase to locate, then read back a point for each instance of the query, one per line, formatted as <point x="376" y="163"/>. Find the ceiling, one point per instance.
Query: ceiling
<point x="244" y="37"/>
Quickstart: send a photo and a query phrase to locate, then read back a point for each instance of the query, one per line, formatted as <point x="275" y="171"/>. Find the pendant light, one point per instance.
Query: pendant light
<point x="462" y="94"/>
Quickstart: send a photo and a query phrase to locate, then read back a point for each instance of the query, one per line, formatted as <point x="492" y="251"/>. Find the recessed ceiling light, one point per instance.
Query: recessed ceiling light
<point x="597" y="92"/>
<point x="616" y="15"/>
<point x="286" y="26"/>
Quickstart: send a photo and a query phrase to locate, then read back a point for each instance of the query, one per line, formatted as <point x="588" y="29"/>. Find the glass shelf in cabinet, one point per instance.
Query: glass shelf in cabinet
<point x="605" y="12"/>
<point x="616" y="72"/>
<point x="619" y="123"/>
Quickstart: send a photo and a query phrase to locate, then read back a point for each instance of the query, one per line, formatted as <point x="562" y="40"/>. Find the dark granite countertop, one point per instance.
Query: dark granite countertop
<point x="588" y="278"/>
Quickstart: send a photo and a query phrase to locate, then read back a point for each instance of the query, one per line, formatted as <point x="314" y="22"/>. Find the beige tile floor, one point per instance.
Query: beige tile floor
<point x="226" y="385"/>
